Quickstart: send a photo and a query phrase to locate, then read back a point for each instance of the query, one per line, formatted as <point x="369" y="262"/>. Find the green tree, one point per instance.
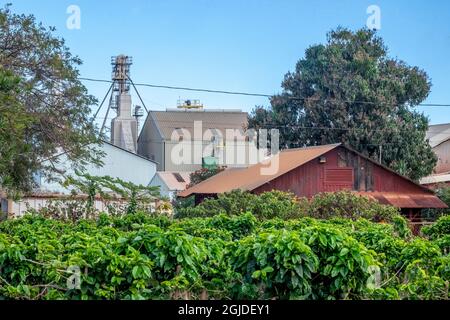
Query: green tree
<point x="45" y="110"/>
<point x="203" y="174"/>
<point x="349" y="90"/>
<point x="14" y="146"/>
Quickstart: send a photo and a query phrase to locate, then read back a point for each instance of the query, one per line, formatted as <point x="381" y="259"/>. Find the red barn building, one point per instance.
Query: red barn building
<point x="311" y="170"/>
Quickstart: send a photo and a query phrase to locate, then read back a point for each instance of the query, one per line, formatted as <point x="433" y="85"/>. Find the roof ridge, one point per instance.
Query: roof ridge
<point x="311" y="147"/>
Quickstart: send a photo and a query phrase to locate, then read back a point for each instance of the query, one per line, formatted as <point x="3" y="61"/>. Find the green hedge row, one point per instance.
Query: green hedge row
<point x="221" y="257"/>
<point x="285" y="205"/>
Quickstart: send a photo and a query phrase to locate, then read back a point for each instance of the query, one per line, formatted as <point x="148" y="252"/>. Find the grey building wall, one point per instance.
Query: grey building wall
<point x="151" y="144"/>
<point x="157" y="143"/>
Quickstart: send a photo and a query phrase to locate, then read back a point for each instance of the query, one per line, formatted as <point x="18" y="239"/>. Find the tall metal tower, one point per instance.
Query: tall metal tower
<point x="124" y="125"/>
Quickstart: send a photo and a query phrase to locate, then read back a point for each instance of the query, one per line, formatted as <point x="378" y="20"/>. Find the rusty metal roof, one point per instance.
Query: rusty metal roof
<point x="406" y="200"/>
<point x="256" y="175"/>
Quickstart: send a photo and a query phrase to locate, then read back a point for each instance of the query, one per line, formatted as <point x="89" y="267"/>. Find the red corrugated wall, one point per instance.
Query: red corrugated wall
<point x="356" y="174"/>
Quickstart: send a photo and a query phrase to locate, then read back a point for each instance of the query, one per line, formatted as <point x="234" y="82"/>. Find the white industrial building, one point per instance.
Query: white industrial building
<point x="117" y="163"/>
<point x="137" y="158"/>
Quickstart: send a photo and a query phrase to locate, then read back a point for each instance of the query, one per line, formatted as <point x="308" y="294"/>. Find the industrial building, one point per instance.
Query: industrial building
<point x="117" y="163"/>
<point x="164" y="131"/>
<point x="439" y="139"/>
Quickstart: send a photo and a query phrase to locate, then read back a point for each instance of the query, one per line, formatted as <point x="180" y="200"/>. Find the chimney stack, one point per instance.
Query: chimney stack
<point x="124" y="125"/>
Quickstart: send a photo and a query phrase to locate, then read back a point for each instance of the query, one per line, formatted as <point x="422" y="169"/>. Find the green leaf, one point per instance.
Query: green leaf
<point x="136" y="272"/>
<point x="268" y="269"/>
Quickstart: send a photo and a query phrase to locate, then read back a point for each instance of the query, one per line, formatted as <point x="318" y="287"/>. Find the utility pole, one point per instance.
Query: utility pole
<point x="380" y="151"/>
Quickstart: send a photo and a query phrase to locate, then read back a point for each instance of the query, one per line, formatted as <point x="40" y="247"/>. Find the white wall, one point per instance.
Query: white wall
<point x="164" y="190"/>
<point x="117" y="163"/>
<point x="19" y="208"/>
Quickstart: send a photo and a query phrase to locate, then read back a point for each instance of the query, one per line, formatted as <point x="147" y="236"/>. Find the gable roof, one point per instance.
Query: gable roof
<point x="252" y="177"/>
<point x="438" y="134"/>
<point x="170" y="120"/>
<point x="170" y="180"/>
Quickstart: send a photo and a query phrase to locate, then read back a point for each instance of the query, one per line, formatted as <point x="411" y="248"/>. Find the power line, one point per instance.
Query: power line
<point x="258" y="94"/>
<point x="186" y="88"/>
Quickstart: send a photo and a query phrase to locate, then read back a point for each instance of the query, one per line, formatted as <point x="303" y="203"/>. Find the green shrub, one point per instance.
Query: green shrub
<point x="274" y="264"/>
<point x="343" y="263"/>
<point x="141" y="256"/>
<point x="443" y="243"/>
<point x="438" y="229"/>
<point x="285" y="205"/>
<point x="277" y="204"/>
<point x="349" y="205"/>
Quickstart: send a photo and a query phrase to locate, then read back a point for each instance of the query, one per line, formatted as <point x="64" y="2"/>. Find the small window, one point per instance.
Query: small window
<point x="178" y="177"/>
<point x="180" y="138"/>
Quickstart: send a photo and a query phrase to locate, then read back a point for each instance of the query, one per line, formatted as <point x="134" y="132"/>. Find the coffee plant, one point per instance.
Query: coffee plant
<point x="234" y="253"/>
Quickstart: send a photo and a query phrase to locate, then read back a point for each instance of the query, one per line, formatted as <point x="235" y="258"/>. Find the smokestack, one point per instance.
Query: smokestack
<point x="124" y="125"/>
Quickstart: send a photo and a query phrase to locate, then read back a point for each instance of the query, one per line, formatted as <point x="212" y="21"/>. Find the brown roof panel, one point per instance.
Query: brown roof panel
<point x="256" y="175"/>
<point x="406" y="200"/>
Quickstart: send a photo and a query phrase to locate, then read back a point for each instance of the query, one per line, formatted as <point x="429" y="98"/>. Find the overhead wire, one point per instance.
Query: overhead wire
<point x="258" y="94"/>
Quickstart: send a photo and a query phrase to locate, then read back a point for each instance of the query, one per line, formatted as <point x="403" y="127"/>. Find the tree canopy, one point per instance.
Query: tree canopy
<point x="44" y="108"/>
<point x="349" y="90"/>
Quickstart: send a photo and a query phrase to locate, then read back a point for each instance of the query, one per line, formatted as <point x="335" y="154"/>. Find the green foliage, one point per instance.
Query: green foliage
<point x="44" y="108"/>
<point x="14" y="123"/>
<point x="343" y="263"/>
<point x="203" y="174"/>
<point x="351" y="82"/>
<point x="347" y="204"/>
<point x="443" y="193"/>
<point x="439" y="229"/>
<point x="121" y="197"/>
<point x="285" y="205"/>
<point x="149" y="256"/>
<point x="275" y="264"/>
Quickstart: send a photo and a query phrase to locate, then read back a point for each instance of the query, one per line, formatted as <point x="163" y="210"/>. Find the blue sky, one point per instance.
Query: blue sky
<point x="238" y="45"/>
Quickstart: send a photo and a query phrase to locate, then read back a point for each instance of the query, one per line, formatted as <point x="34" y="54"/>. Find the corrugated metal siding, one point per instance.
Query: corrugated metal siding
<point x="306" y="180"/>
<point x="338" y="179"/>
<point x="310" y="178"/>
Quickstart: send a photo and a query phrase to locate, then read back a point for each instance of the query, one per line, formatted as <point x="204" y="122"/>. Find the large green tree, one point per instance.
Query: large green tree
<point x="44" y="108"/>
<point x="349" y="90"/>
